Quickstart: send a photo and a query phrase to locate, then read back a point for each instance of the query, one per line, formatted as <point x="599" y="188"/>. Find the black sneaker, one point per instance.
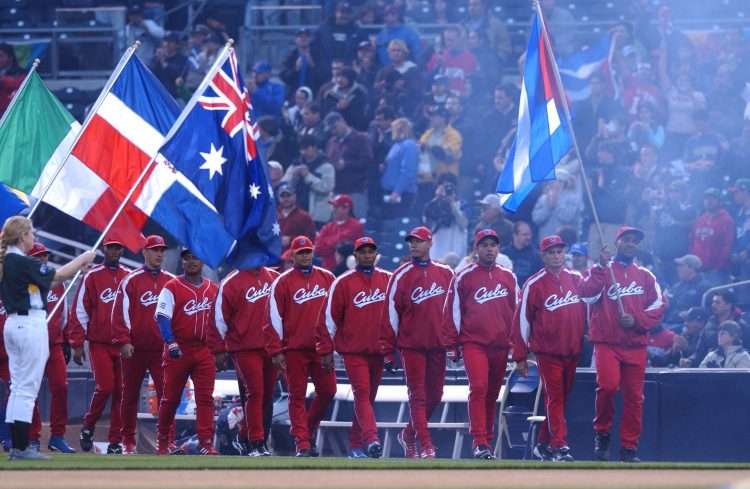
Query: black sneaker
<point x="87" y="439"/>
<point x="562" y="454"/>
<point x="483" y="452"/>
<point x="375" y="450"/>
<point x="303" y="453"/>
<point x="314" y="450"/>
<point x="114" y="449"/>
<point x="542" y="452"/>
<point x="601" y="447"/>
<point x="628" y="455"/>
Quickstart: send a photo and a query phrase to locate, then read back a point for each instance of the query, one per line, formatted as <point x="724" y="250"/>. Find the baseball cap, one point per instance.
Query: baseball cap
<point x="629" y="229"/>
<point x="365" y="241"/>
<point x="111" y="240"/>
<point x="485" y="233"/>
<point x="422" y="233"/>
<point x="342" y="199"/>
<point x="155" y="241"/>
<point x="741" y="184"/>
<point x="184" y="250"/>
<point x="301" y="243"/>
<point x="38" y="249"/>
<point x="551" y="242"/>
<point x="694" y="314"/>
<point x="712" y="192"/>
<point x="692" y="261"/>
<point x="284" y="188"/>
<point x="262" y="66"/>
<point x="440" y="80"/>
<point x="491" y="200"/>
<point x="365" y="45"/>
<point x="331" y="120"/>
<point x="579" y="249"/>
<point x="303" y="32"/>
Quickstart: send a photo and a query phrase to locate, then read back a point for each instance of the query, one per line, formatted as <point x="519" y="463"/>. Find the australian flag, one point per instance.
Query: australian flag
<point x="218" y="201"/>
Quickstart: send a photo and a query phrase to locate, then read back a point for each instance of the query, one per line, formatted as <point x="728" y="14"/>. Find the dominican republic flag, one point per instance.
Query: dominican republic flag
<point x="543" y="137"/>
<point x="576" y="70"/>
<point x="209" y="189"/>
<point x="115" y="145"/>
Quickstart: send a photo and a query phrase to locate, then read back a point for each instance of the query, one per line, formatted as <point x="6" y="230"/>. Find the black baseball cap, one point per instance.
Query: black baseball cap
<point x="694" y="314"/>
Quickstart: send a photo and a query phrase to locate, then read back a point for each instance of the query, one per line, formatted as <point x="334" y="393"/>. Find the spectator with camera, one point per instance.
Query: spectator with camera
<point x="448" y="223"/>
<point x="729" y="352"/>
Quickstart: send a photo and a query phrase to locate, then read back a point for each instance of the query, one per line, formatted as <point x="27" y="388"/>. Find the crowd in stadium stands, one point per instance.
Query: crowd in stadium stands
<point x="395" y="123"/>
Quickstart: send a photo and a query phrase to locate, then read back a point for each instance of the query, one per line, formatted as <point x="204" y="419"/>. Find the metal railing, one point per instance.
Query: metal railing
<point x="713" y="290"/>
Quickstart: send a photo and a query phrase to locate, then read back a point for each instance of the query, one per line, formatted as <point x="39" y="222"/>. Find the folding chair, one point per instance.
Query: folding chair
<point x="519" y="404"/>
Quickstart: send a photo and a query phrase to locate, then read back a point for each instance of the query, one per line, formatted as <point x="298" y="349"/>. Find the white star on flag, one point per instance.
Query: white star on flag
<point x="276" y="229"/>
<point x="254" y="191"/>
<point x="213" y="160"/>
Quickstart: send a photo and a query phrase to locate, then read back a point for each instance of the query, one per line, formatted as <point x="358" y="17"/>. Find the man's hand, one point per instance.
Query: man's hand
<point x="453" y="354"/>
<point x="79" y="355"/>
<point x="279" y="361"/>
<point x="627" y="321"/>
<point x="523" y="367"/>
<point x="221" y="361"/>
<point x="685" y="363"/>
<point x="174" y="350"/>
<point x="679" y="343"/>
<point x="127" y="350"/>
<point x="326" y="361"/>
<point x="67" y="353"/>
<point x="605" y="256"/>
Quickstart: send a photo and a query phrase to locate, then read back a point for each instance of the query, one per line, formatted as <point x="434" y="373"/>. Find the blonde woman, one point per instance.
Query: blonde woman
<point x="24" y="283"/>
<point x="399" y="180"/>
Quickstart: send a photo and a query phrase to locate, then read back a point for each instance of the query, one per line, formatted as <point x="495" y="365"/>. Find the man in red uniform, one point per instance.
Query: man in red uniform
<point x="4" y="381"/>
<point x="136" y="333"/>
<point x="353" y="319"/>
<point x="416" y="295"/>
<point x="343" y="227"/>
<point x="91" y="319"/>
<point x="297" y="297"/>
<point x="549" y="322"/>
<point x="620" y="339"/>
<point x="56" y="370"/>
<point x="478" y="316"/>
<point x="184" y="313"/>
<point x="241" y="314"/>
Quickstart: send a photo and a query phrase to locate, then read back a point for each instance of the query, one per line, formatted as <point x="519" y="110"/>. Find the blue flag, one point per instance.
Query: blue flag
<point x="12" y="202"/>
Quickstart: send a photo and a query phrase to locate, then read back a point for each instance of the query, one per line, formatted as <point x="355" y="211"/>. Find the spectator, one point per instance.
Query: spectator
<point x="399" y="180"/>
<point x="343" y="226"/>
<point x="344" y="251"/>
<point x="723" y="308"/>
<point x="685" y="342"/>
<point x="275" y="173"/>
<point x="351" y="155"/>
<point x="741" y="196"/>
<point x="702" y="153"/>
<point x="453" y="60"/>
<point x="169" y="63"/>
<point x="200" y="61"/>
<point x="337" y="65"/>
<point x="448" y="223"/>
<point x="682" y="102"/>
<point x="273" y="144"/>
<point x="338" y="37"/>
<point x="641" y="90"/>
<point x="348" y="98"/>
<point x="688" y="291"/>
<point x="729" y="353"/>
<point x="300" y="68"/>
<point x="400" y="83"/>
<point x="579" y="258"/>
<point x="196" y="42"/>
<point x="267" y="96"/>
<point x="493" y="217"/>
<point x="479" y="19"/>
<point x="293" y="115"/>
<point x="381" y="136"/>
<point x="598" y="109"/>
<point x="559" y="20"/>
<point x="293" y="221"/>
<point x="148" y="32"/>
<point x="313" y="179"/>
<point x="525" y="257"/>
<point x="365" y="65"/>
<point x="394" y="28"/>
<point x="673" y="218"/>
<point x="11" y="75"/>
<point x="645" y="130"/>
<point x="561" y="204"/>
<point x="660" y="344"/>
<point x="312" y="124"/>
<point x="441" y="146"/>
<point x="712" y="237"/>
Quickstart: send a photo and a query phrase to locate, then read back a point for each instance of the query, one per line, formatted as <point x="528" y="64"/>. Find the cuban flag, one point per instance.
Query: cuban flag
<point x="209" y="189"/>
<point x="543" y="137"/>
<point x="576" y="70"/>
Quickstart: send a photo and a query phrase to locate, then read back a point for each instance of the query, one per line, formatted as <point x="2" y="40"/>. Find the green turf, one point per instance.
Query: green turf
<point x="145" y="462"/>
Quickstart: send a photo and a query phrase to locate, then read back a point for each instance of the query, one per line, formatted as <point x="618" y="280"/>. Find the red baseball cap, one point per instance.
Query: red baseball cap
<point x="111" y="240"/>
<point x="155" y="241"/>
<point x="38" y="249"/>
<point x="365" y="241"/>
<point x="551" y="242"/>
<point x="301" y="243"/>
<point x="342" y="199"/>
<point x="629" y="229"/>
<point x="422" y="233"/>
<point x="486" y="233"/>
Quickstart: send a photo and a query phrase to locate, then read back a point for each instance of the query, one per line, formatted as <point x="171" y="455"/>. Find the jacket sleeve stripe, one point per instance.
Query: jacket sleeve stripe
<point x="659" y="301"/>
<point x="457" y="298"/>
<point x="330" y="323"/>
<point x="81" y="314"/>
<point x="276" y="320"/>
<point x="392" y="313"/>
<point x="524" y="319"/>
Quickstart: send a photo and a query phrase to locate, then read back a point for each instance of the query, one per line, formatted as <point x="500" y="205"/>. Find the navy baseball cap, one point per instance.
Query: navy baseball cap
<point x="579" y="249"/>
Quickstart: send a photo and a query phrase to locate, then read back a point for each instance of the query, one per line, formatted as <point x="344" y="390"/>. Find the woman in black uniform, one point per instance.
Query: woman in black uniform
<point x="24" y="283"/>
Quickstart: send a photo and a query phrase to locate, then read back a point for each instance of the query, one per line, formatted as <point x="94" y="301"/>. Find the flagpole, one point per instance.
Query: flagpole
<point x="569" y="120"/>
<point x="105" y="91"/>
<point x="19" y="91"/>
<point x="180" y="119"/>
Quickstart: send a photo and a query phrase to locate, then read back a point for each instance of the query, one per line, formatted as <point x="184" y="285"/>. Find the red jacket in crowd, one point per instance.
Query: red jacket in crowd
<point x="551" y="315"/>
<point x="296" y="223"/>
<point x="334" y="233"/>
<point x="56" y="326"/>
<point x="297" y="298"/>
<point x="416" y="296"/>
<point x="456" y="66"/>
<point x="242" y="308"/>
<point x="353" y="314"/>
<point x="191" y="311"/>
<point x="641" y="297"/>
<point x="479" y="307"/>
<point x="91" y="317"/>
<point x="133" y="317"/>
<point x="712" y="239"/>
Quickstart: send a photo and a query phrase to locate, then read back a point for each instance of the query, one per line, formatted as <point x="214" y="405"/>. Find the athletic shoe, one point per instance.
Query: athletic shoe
<point x="255" y="449"/>
<point x="35" y="445"/>
<point x="562" y="454"/>
<point x="129" y="449"/>
<point x="28" y="454"/>
<point x="428" y="453"/>
<point x="209" y="450"/>
<point x="375" y="450"/>
<point x="87" y="439"/>
<point x="242" y="446"/>
<point x="409" y="446"/>
<point x="7" y="445"/>
<point x="542" y="452"/>
<point x="628" y="455"/>
<point x="357" y="453"/>
<point x="303" y="453"/>
<point x="601" y="446"/>
<point x="58" y="444"/>
<point x="483" y="452"/>
<point x="265" y="452"/>
<point x="314" y="450"/>
<point x="114" y="449"/>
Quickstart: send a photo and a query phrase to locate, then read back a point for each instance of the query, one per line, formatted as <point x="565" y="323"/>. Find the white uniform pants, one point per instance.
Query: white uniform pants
<point x="27" y="344"/>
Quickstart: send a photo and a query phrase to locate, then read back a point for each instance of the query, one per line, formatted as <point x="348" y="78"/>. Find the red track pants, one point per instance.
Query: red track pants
<point x="301" y="364"/>
<point x="620" y="368"/>
<point x="107" y="369"/>
<point x="364" y="372"/>
<point x="199" y="364"/>
<point x="425" y="377"/>
<point x="485" y="368"/>
<point x="57" y="382"/>
<point x="256" y="372"/>
<point x="558" y="374"/>
<point x="133" y="372"/>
